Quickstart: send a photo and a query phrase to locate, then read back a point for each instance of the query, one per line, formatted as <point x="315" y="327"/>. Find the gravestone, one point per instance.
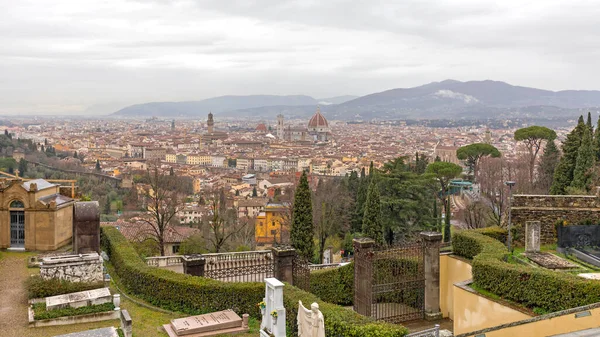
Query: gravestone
<point x="126" y="323"/>
<point x="79" y="299"/>
<point x="270" y="325"/>
<point x="104" y="332"/>
<point x="216" y="323"/>
<point x="74" y="267"/>
<point x="86" y="227"/>
<point x="532" y="236"/>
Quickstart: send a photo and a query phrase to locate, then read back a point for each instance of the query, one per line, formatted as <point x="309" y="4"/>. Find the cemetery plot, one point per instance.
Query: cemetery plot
<point x="215" y="323"/>
<point x="550" y="261"/>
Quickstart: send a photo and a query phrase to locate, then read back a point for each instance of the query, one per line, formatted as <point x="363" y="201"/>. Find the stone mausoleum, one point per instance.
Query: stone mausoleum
<point x="34" y="215"/>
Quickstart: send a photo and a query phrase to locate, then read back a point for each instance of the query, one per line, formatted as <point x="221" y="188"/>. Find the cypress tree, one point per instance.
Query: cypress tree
<point x="361" y="198"/>
<point x="98" y="165"/>
<point x="301" y="233"/>
<point x="372" y="225"/>
<point x="171" y="172"/>
<point x="548" y="163"/>
<point x="22" y="167"/>
<point x="563" y="175"/>
<point x="597" y="140"/>
<point x="584" y="162"/>
<point x="254" y="192"/>
<point x="589" y="122"/>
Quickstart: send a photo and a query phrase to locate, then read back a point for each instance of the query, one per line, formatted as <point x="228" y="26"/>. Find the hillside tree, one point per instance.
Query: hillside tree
<point x="472" y="153"/>
<point x="301" y="232"/>
<point x="533" y="137"/>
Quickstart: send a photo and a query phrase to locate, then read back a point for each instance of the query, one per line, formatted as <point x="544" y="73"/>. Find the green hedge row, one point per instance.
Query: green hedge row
<point x="37" y="287"/>
<point x="531" y="287"/>
<point x="40" y="312"/>
<point x="495" y="232"/>
<point x="196" y="295"/>
<point x="334" y="285"/>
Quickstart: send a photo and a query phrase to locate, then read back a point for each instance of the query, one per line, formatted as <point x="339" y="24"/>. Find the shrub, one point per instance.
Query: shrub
<point x="197" y="295"/>
<point x="544" y="289"/>
<point x="37" y="287"/>
<point x="495" y="232"/>
<point x="334" y="285"/>
<point x="40" y="312"/>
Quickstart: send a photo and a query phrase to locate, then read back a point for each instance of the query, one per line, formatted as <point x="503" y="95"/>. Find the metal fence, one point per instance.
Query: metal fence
<point x="301" y="273"/>
<point x="390" y="283"/>
<point x="252" y="266"/>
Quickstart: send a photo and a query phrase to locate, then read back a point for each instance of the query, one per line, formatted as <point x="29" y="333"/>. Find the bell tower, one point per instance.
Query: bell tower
<point x="280" y="126"/>
<point x="210" y="123"/>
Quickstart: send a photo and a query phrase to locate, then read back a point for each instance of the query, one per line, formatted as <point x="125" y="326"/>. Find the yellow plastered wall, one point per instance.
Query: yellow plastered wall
<point x="452" y="270"/>
<point x="473" y="312"/>
<point x="552" y="326"/>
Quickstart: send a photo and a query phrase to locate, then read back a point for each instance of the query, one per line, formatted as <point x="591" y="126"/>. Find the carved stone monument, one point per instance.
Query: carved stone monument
<point x="532" y="236"/>
<point x="273" y="317"/>
<point x="216" y="323"/>
<point x="86" y="227"/>
<point x="310" y="322"/>
<point x="74" y="268"/>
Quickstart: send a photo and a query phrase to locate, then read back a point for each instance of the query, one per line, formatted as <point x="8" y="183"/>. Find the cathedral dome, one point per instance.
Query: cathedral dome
<point x="318" y="121"/>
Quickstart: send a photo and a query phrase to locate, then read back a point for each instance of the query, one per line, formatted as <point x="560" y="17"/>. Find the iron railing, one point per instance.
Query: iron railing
<point x="252" y="266"/>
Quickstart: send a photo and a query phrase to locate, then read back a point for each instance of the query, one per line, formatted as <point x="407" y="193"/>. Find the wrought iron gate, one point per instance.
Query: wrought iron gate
<point x="390" y="283"/>
<point x="17" y="229"/>
<point x="301" y="273"/>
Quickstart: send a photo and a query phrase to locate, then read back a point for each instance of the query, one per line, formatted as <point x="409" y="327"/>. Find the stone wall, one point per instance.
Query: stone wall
<point x="74" y="268"/>
<point x="548" y="209"/>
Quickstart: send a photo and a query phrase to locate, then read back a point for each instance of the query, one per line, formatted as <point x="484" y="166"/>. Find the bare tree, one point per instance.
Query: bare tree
<point x="163" y="204"/>
<point x="492" y="174"/>
<point x="331" y="211"/>
<point x="223" y="223"/>
<point x="476" y="215"/>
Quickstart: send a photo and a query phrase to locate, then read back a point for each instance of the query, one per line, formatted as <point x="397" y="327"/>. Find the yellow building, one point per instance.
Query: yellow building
<point x="269" y="224"/>
<point x="34" y="215"/>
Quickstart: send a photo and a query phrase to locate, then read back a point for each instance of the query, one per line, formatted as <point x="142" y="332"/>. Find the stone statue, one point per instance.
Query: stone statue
<point x="310" y="322"/>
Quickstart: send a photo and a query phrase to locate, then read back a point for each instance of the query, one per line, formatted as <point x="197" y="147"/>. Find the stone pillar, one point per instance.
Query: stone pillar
<point x="126" y="323"/>
<point x="283" y="259"/>
<point x="431" y="264"/>
<point x="86" y="227"/>
<point x="532" y="236"/>
<point x="193" y="264"/>
<point x="363" y="275"/>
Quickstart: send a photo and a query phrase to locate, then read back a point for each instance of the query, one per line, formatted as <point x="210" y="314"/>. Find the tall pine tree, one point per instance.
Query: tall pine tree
<point x="563" y="175"/>
<point x="372" y="226"/>
<point x="301" y="233"/>
<point x="361" y="198"/>
<point x="585" y="161"/>
<point x="589" y="122"/>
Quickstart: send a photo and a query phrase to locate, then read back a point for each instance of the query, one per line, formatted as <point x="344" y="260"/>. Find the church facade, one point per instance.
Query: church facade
<point x="34" y="215"/>
<point x="317" y="130"/>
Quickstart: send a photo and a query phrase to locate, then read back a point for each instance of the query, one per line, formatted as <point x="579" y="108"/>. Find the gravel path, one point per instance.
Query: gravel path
<point x="13" y="303"/>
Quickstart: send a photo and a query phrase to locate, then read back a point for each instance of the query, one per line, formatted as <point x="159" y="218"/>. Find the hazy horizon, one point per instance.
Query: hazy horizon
<point x="90" y="57"/>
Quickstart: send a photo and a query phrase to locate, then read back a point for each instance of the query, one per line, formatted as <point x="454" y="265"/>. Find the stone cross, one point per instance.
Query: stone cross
<point x="532" y="236"/>
<point x="275" y="326"/>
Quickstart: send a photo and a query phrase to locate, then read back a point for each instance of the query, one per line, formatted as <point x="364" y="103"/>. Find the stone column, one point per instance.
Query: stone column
<point x="431" y="264"/>
<point x="194" y="264"/>
<point x="532" y="236"/>
<point x="363" y="275"/>
<point x="126" y="323"/>
<point x="283" y="260"/>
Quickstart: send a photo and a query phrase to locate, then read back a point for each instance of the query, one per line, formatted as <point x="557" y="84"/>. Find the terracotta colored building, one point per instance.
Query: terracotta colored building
<point x="34" y="215"/>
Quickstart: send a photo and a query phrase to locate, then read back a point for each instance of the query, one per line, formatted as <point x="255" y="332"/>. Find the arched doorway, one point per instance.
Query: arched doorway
<point x="17" y="224"/>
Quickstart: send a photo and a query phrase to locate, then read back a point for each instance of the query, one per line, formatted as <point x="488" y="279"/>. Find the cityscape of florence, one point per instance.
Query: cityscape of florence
<point x="194" y="168"/>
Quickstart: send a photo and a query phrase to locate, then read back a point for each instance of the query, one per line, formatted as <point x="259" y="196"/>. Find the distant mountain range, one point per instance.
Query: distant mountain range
<point x="446" y="99"/>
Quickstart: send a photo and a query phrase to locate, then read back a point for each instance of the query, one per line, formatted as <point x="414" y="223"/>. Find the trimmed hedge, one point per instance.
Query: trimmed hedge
<point x="531" y="287"/>
<point x="334" y="285"/>
<point x="37" y="287"/>
<point x="495" y="232"/>
<point x="40" y="312"/>
<point x="197" y="295"/>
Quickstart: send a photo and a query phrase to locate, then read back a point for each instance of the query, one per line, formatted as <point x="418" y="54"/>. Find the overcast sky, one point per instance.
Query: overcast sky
<point x="67" y="56"/>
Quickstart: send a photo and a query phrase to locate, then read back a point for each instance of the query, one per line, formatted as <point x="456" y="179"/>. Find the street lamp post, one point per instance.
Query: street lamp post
<point x="510" y="185"/>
